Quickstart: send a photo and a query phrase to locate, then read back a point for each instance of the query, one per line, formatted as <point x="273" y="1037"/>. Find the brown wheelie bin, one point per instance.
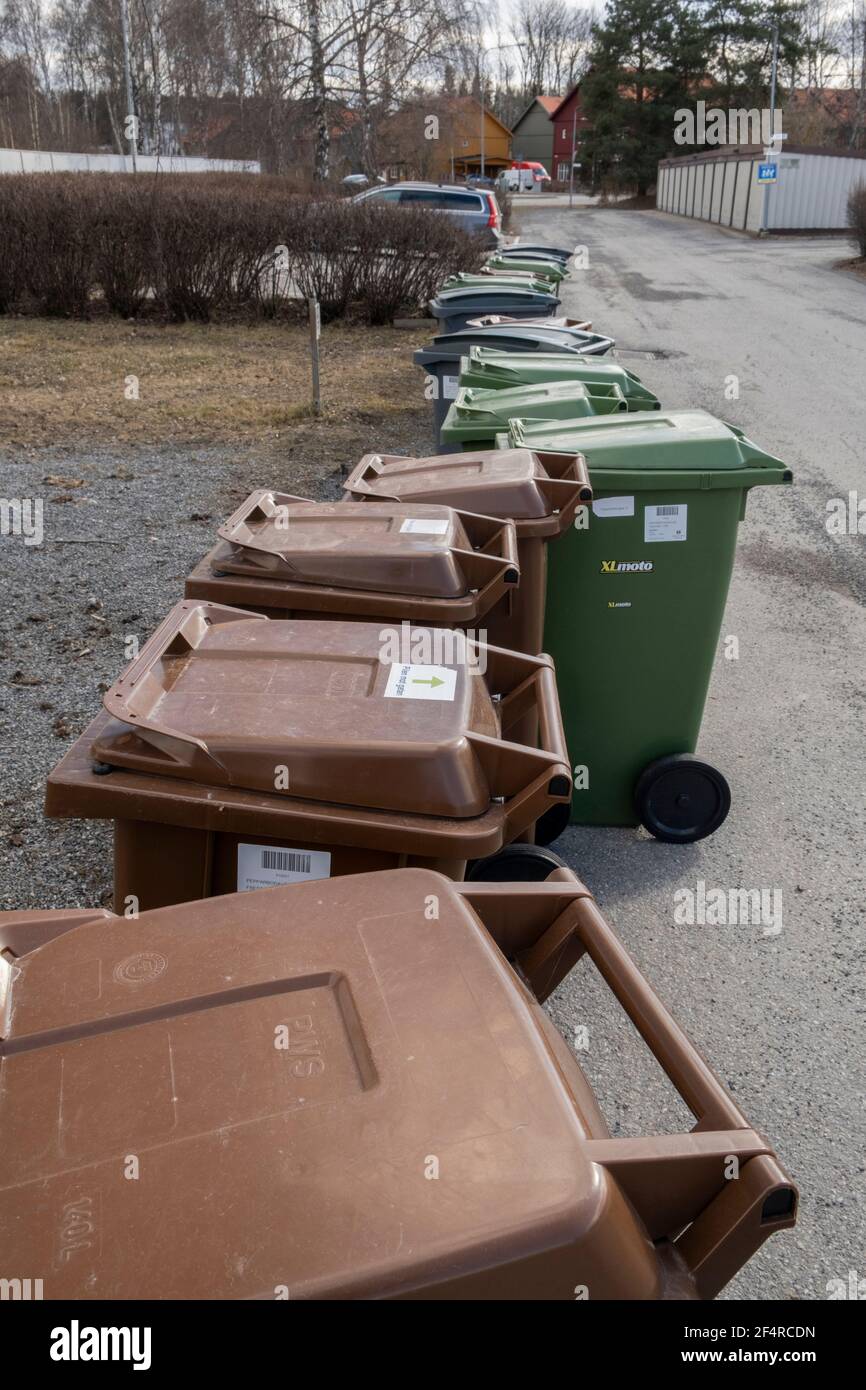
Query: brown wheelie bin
<point x="239" y="751"/>
<point x="289" y="557"/>
<point x="539" y="492"/>
<point x="344" y="1091"/>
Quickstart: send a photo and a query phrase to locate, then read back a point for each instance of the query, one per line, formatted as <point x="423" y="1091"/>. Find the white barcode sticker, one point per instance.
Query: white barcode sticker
<point x="449" y="387"/>
<point x="425" y="526"/>
<point x="613" y="506"/>
<point x="266" y="866"/>
<point x="665" y="523"/>
<point x="410" y="682"/>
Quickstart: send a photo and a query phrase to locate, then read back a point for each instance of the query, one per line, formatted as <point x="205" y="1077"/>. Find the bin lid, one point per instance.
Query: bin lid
<point x="476" y="407"/>
<point x="532" y="248"/>
<point x="394" y="719"/>
<point x="522" y="337"/>
<point x="653" y="442"/>
<point x="286" y="1065"/>
<point x="520" y="280"/>
<point x="385" y="547"/>
<point x="549" y="321"/>
<point x="473" y="299"/>
<point x="505" y="482"/>
<point x="504" y="369"/>
<point x="546" y="267"/>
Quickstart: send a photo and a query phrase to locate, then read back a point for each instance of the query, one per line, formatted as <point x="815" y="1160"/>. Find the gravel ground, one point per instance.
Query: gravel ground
<point x="781" y="1019"/>
<point x="117" y="550"/>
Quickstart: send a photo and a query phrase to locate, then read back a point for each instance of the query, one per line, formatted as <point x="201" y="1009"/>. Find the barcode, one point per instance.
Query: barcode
<point x="667" y="511"/>
<point x="286" y="861"/>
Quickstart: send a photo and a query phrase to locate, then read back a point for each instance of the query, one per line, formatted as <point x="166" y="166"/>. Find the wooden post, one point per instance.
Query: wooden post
<point x="315" y="334"/>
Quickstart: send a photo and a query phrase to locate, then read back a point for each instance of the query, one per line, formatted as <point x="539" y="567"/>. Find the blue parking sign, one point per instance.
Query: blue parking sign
<point x="768" y="173"/>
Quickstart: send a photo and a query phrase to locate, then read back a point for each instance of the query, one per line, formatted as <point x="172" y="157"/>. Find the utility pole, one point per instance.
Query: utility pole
<point x="573" y="153"/>
<point x="481" y="103"/>
<point x="131" y="119"/>
<point x="765" y="210"/>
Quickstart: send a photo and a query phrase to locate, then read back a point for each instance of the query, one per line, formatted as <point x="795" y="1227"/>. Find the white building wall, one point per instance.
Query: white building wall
<point x="49" y="161"/>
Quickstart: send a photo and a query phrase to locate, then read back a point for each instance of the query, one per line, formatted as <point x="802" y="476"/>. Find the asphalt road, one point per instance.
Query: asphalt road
<point x="779" y="1017"/>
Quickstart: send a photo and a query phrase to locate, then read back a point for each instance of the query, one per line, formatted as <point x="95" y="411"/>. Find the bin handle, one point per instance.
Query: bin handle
<point x="501" y="543"/>
<point x="684" y="1066"/>
<point x="550" y="726"/>
<point x="178" y="629"/>
<point x="250" y="505"/>
<point x="678" y="1183"/>
<point x="715" y="1223"/>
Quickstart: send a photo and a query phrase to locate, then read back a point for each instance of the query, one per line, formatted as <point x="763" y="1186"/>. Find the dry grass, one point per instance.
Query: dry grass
<point x="66" y="382"/>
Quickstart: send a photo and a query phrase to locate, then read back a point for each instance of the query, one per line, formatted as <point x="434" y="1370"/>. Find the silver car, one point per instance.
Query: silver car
<point x="476" y="209"/>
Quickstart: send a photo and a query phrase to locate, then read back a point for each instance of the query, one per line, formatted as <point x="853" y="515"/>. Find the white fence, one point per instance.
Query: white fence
<point x="49" y="162"/>
<point x="810" y="194"/>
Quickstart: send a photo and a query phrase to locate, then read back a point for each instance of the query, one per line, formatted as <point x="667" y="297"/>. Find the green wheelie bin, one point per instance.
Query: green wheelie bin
<point x="493" y="369"/>
<point x="475" y="417"/>
<point x="635" y="599"/>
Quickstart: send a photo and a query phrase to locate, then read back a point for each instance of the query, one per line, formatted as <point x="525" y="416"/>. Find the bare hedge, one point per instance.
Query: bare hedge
<point x="857" y="217"/>
<point x="196" y="246"/>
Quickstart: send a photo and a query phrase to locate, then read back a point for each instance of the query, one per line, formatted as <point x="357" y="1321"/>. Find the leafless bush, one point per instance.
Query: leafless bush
<point x="123" y="236"/>
<point x="195" y="246"/>
<point x="857" y="217"/>
<point x="55" y="252"/>
<point x="14" y="247"/>
<point x="408" y="253"/>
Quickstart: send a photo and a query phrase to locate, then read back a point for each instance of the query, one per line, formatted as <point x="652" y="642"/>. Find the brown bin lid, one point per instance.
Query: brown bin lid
<point x="539" y="492"/>
<point x="246" y="1097"/>
<point x="385" y="547"/>
<point x="21" y="932"/>
<point x="317" y="711"/>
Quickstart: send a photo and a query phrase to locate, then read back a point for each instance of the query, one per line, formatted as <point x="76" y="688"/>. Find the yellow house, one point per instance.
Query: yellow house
<point x="469" y="135"/>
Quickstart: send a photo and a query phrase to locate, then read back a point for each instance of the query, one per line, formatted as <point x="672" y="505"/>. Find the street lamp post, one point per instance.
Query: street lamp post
<point x="131" y="122"/>
<point x="765" y="207"/>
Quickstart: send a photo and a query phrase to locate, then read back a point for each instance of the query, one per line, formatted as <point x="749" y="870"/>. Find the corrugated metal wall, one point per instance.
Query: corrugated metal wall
<point x="811" y="192"/>
<point x="49" y="162"/>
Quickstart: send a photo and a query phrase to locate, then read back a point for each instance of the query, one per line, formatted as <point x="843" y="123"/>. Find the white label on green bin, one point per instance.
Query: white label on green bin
<point x="410" y="682"/>
<point x="665" y="523"/>
<point x="613" y="506"/>
<point x="268" y="866"/>
<point x="425" y="526"/>
<point x="449" y="387"/>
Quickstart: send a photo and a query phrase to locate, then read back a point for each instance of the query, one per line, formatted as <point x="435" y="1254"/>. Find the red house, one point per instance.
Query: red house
<point x="570" y="126"/>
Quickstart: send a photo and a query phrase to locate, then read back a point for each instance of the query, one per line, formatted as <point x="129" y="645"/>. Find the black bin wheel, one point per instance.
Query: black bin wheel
<point x="551" y="824"/>
<point x="681" y="798"/>
<point x="516" y="864"/>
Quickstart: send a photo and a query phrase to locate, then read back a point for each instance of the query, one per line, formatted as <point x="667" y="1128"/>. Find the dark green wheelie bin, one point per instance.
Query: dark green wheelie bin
<point x="635" y="599"/>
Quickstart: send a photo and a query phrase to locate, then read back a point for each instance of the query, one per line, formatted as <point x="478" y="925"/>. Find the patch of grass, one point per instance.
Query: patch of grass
<point x="112" y="383"/>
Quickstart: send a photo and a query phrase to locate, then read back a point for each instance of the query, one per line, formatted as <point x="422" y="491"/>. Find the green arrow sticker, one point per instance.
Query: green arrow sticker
<point x="416" y="681"/>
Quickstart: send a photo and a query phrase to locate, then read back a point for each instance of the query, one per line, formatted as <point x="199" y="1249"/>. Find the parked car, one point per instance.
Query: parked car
<point x="476" y="210"/>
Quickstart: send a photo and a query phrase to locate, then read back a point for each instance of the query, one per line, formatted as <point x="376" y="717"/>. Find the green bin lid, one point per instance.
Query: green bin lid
<point x="550" y="270"/>
<point x="464" y="281"/>
<point x="480" y="413"/>
<point x="496" y="369"/>
<point x="654" y="443"/>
